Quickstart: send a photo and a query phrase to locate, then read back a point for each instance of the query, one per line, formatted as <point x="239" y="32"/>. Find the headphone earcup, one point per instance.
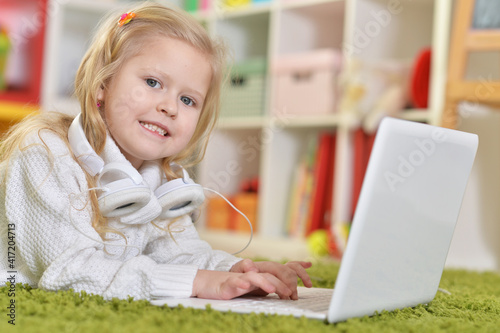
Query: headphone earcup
<point x="178" y="198"/>
<point x="122" y="196"/>
<point x="124" y="201"/>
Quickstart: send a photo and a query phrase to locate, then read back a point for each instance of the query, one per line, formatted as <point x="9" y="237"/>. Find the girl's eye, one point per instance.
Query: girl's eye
<point x="186" y="100"/>
<point x="152" y="83"/>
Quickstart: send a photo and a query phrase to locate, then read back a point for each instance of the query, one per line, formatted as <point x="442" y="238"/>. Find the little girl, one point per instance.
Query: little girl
<point x="85" y="203"/>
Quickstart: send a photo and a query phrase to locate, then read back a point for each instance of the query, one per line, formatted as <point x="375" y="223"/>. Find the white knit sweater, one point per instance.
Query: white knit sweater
<point x="55" y="247"/>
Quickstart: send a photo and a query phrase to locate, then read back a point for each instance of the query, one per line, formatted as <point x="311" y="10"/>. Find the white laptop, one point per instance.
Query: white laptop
<point x="400" y="235"/>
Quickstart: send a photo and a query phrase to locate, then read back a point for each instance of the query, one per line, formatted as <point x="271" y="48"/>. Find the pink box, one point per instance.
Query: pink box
<point x="306" y="83"/>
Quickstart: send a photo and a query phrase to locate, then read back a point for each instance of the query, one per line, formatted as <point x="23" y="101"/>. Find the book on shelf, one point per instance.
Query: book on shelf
<point x="363" y="144"/>
<point x="217" y="214"/>
<point x="246" y="202"/>
<point x="197" y="5"/>
<point x="329" y="189"/>
<point x="194" y="6"/>
<point x="362" y="147"/>
<point x="311" y="194"/>
<point x="322" y="169"/>
<point x="302" y="186"/>
<point x="221" y="216"/>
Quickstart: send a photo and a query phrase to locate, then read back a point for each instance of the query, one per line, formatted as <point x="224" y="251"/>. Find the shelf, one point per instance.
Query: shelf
<point x="265" y="145"/>
<point x="379" y="34"/>
<point x="14" y="111"/>
<point x="241" y="122"/>
<point x="415" y="115"/>
<point x="272" y="248"/>
<point x="289" y="121"/>
<point x="243" y="11"/>
<point x="203" y="15"/>
<point x="25" y="22"/>
<point x="15" y="95"/>
<point x="310" y="122"/>
<point x="247" y="35"/>
<point x="292" y="4"/>
<point x="313" y="26"/>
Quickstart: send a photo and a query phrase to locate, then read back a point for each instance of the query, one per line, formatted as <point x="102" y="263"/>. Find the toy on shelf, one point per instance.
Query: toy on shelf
<point x="5" y="47"/>
<point x="420" y="77"/>
<point x="321" y="243"/>
<point x="372" y="91"/>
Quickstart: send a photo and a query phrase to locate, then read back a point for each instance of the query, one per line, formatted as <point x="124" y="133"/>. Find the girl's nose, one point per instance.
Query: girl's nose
<point x="169" y="107"/>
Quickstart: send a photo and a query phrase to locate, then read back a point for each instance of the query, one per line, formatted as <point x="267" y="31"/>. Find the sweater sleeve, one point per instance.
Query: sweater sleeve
<point x="183" y="245"/>
<point x="46" y="197"/>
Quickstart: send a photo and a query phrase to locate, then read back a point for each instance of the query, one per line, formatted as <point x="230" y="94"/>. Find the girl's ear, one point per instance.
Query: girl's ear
<point x="100" y="94"/>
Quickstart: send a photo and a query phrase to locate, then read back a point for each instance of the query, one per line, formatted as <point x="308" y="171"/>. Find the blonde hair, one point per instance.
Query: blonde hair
<point x="112" y="46"/>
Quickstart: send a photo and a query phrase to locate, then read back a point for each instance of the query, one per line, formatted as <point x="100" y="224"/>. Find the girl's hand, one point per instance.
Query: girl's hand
<point x="227" y="285"/>
<point x="286" y="273"/>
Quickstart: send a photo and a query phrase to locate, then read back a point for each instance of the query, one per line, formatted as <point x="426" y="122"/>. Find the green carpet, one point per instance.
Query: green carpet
<point x="473" y="306"/>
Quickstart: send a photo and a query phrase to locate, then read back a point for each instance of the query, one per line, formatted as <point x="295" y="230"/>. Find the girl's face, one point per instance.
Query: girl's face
<point x="153" y="103"/>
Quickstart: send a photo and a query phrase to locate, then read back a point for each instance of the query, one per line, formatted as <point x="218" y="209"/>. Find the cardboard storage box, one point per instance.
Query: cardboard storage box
<point x="306" y="83"/>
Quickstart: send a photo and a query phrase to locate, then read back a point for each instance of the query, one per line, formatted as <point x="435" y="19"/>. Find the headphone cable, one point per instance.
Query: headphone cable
<point x="236" y="209"/>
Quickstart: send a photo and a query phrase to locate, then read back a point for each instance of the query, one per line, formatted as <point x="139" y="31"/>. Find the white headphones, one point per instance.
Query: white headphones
<point x="124" y="190"/>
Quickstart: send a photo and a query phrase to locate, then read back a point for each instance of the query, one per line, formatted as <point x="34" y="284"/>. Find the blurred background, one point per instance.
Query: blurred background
<point x="309" y="83"/>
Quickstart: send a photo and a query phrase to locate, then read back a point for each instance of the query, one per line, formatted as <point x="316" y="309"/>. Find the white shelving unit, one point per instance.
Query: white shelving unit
<point x="272" y="145"/>
<point x="379" y="30"/>
<point x="298" y="26"/>
<point x="269" y="146"/>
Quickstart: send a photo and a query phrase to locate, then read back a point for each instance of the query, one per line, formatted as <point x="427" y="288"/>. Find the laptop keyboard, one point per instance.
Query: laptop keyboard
<point x="310" y="300"/>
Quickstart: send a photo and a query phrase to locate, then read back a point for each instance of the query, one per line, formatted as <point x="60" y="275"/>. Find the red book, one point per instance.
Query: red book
<point x="358" y="167"/>
<point x="321" y="180"/>
<point x="363" y="144"/>
<point x="327" y="215"/>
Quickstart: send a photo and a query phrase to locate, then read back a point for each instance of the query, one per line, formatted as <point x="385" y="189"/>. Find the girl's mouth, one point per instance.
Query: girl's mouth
<point x="154" y="128"/>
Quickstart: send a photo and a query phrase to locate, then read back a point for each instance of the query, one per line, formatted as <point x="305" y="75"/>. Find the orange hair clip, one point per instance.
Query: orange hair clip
<point x="126" y="18"/>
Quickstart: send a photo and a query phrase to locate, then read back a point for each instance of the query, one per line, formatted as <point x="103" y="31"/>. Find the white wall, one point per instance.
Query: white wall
<point x="476" y="242"/>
